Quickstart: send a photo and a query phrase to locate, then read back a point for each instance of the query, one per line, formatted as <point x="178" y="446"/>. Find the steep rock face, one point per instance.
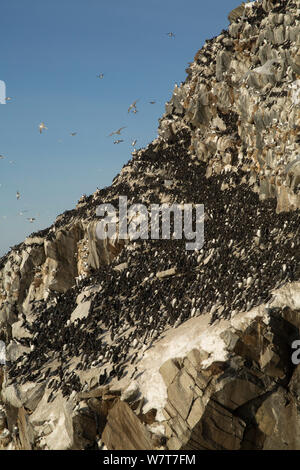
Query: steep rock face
<point x="52" y="263"/>
<point x="244" y="116"/>
<point x="122" y="344"/>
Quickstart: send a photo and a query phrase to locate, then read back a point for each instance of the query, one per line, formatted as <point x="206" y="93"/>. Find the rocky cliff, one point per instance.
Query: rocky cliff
<point x="120" y="344"/>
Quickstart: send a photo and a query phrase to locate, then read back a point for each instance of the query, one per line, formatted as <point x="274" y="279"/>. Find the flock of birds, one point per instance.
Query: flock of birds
<point x="132" y="108"/>
<point x="42" y="127"/>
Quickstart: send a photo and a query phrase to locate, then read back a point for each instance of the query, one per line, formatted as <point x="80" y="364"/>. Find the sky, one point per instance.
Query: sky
<point x="51" y="55"/>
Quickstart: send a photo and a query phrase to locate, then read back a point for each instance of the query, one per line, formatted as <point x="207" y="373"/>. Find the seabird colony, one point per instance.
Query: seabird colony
<point x="241" y="261"/>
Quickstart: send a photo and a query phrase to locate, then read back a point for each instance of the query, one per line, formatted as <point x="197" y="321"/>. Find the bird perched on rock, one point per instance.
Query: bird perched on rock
<point x="293" y="163"/>
<point x="102" y="378"/>
<point x="42" y="126"/>
<point x="295" y="95"/>
<point x="118" y="132"/>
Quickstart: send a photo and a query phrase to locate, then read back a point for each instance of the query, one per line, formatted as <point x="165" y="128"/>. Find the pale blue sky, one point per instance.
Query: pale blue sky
<point x="51" y="53"/>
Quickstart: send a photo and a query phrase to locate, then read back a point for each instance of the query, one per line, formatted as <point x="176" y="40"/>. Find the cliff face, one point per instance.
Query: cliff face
<point x="145" y="345"/>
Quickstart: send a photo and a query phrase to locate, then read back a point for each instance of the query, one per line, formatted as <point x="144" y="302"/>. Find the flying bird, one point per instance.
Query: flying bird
<point x="118" y="141"/>
<point x="266" y="68"/>
<point x="134" y="142"/>
<point x="133" y="106"/>
<point x="152" y="102"/>
<point x="101" y="75"/>
<point x="118" y="131"/>
<point x="18" y="195"/>
<point x="263" y="69"/>
<point x="42" y="126"/>
<point x="73" y="133"/>
<point x="8" y="98"/>
<point x="171" y="35"/>
<point x="31" y="219"/>
<point x="1" y="157"/>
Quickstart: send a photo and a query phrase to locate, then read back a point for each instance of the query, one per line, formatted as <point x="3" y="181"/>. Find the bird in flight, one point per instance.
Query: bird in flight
<point x="134" y="142"/>
<point x="73" y="133"/>
<point x="263" y="69"/>
<point x="133" y="106"/>
<point x="18" y="195"/>
<point x="171" y="35"/>
<point x="118" y="131"/>
<point x="152" y="102"/>
<point x="42" y="126"/>
<point x="266" y="68"/>
<point x="101" y="75"/>
<point x="118" y="141"/>
<point x="1" y="157"/>
<point x="8" y="98"/>
<point x="31" y="219"/>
